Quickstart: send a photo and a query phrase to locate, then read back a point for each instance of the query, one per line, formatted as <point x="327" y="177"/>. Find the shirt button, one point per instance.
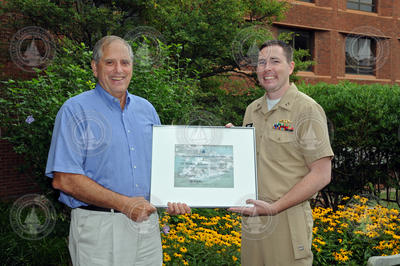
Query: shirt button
<point x="137" y="185"/>
<point x="129" y="131"/>
<point x="132" y="148"/>
<point x="134" y="166"/>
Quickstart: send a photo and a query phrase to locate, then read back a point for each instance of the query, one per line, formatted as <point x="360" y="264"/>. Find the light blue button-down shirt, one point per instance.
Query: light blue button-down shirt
<point x="94" y="137"/>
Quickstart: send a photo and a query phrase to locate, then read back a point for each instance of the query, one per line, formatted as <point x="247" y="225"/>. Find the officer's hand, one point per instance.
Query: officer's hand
<point x="260" y="208"/>
<point x="175" y="208"/>
<point x="138" y="209"/>
<point x="229" y="125"/>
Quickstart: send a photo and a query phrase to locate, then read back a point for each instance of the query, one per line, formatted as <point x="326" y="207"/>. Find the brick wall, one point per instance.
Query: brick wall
<point x="330" y="21"/>
<point x="13" y="183"/>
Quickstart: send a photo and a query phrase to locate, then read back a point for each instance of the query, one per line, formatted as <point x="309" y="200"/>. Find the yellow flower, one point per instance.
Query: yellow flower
<point x="363" y="200"/>
<point x="234" y="258"/>
<point x="183" y="249"/>
<point x="178" y="255"/>
<point x="166" y="257"/>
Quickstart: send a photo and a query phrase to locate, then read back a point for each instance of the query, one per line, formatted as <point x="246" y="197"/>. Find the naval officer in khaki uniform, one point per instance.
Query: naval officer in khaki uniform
<point x="293" y="164"/>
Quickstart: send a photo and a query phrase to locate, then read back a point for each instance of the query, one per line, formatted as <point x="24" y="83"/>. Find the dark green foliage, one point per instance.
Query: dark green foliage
<point x="50" y="250"/>
<point x="41" y="98"/>
<point x="365" y="122"/>
<point x="166" y="86"/>
<point x="205" y="29"/>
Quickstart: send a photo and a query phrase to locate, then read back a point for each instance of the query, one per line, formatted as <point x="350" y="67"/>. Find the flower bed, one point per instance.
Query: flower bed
<point x="349" y="236"/>
<point x="356" y="231"/>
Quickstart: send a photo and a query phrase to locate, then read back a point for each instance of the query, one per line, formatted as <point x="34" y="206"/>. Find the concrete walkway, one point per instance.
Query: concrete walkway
<point x="384" y="260"/>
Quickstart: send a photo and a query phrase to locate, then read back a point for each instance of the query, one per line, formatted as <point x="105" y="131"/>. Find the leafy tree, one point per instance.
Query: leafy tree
<point x="205" y="29"/>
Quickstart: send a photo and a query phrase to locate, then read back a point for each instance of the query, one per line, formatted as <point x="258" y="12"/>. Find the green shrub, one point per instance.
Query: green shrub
<point x="167" y="86"/>
<point x="50" y="250"/>
<point x="364" y="122"/>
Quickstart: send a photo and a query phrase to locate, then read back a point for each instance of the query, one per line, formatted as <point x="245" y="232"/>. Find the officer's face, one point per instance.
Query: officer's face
<point x="114" y="69"/>
<point x="273" y="70"/>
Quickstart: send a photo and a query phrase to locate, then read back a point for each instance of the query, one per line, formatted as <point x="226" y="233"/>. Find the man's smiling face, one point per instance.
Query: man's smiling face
<point x="114" y="69"/>
<point x="273" y="69"/>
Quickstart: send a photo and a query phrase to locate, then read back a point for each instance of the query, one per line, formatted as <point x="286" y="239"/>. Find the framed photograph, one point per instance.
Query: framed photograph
<point x="203" y="166"/>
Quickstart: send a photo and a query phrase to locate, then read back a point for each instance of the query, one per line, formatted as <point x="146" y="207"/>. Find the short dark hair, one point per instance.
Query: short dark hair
<point x="287" y="49"/>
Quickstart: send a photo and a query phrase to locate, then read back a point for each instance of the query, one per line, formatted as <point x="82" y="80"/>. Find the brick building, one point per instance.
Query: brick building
<point x="355" y="40"/>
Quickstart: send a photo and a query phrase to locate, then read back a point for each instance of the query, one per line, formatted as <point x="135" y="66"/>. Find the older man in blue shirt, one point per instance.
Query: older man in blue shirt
<point x="100" y="159"/>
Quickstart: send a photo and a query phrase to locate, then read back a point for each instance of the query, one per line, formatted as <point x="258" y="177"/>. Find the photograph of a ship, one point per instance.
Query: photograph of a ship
<point x="203" y="166"/>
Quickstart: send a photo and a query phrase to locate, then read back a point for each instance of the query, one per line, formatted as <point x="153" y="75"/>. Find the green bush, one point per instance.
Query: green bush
<point x="50" y="250"/>
<point x="167" y="86"/>
<point x="364" y="122"/>
<point x="41" y="98"/>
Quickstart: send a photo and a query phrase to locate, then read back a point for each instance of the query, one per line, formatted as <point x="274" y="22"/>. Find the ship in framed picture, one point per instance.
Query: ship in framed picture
<point x="203" y="166"/>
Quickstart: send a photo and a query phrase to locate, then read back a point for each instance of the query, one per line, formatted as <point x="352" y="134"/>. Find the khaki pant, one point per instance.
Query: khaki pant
<point x="281" y="240"/>
<point x="108" y="238"/>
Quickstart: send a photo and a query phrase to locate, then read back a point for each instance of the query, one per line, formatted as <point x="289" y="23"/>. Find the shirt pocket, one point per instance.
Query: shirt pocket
<point x="279" y="145"/>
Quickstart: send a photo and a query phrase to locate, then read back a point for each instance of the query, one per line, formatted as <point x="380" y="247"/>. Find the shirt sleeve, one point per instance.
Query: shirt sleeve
<point x="156" y="117"/>
<point x="62" y="156"/>
<point x="312" y="134"/>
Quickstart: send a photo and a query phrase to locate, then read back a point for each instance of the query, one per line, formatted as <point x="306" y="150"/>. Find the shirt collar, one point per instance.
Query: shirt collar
<point x="286" y="101"/>
<point x="110" y="100"/>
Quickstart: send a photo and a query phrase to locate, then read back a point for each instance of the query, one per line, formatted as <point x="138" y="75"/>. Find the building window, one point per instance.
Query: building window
<point x="301" y="39"/>
<point x="363" y="5"/>
<point x="360" y="55"/>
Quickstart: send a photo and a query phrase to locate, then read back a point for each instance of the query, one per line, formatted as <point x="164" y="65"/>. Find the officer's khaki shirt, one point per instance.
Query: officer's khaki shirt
<point x="283" y="155"/>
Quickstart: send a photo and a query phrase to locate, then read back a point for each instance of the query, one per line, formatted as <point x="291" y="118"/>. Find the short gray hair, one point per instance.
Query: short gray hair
<point x="106" y="40"/>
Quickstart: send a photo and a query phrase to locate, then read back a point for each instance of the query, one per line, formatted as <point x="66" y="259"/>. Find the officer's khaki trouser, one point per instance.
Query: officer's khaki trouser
<point x="112" y="239"/>
<point x="281" y="240"/>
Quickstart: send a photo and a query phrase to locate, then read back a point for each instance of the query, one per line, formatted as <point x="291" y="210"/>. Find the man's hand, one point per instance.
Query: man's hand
<point x="260" y="208"/>
<point x="229" y="125"/>
<point x="175" y="208"/>
<point x="138" y="209"/>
